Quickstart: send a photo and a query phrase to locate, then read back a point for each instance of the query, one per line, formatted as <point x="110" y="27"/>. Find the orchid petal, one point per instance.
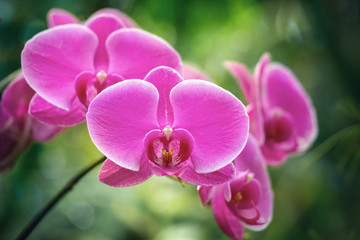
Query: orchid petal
<point x="53" y="58"/>
<point x="273" y="157"/>
<point x="116" y="176"/>
<point x="121" y="17"/>
<point x="164" y="79"/>
<point x="44" y="132"/>
<point x="245" y="80"/>
<point x="227" y="192"/>
<point x="223" y="175"/>
<point x="226" y="220"/>
<point x="206" y="193"/>
<point x="251" y="159"/>
<point x="16" y="97"/>
<point x="103" y="26"/>
<point x="256" y="122"/>
<point x="282" y="90"/>
<point x="133" y="53"/>
<point x="50" y="114"/>
<point x="260" y="69"/>
<point x="58" y="16"/>
<point x="215" y="118"/>
<point x="119" y="118"/>
<point x="14" y="139"/>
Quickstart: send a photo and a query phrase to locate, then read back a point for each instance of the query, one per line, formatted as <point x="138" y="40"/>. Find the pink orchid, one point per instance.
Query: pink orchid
<point x="17" y="128"/>
<point x="247" y="201"/>
<point x="163" y="125"/>
<point x="68" y="65"/>
<point x="282" y="117"/>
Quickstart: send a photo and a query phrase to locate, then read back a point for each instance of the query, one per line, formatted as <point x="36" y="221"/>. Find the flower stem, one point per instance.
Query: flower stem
<point x="40" y="215"/>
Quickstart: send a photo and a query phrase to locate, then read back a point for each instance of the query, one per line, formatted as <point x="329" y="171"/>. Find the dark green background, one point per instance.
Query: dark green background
<point x="316" y="193"/>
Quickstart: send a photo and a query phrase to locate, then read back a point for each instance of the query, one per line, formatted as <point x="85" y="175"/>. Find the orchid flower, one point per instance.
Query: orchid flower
<point x="17" y="128"/>
<point x="163" y="125"/>
<point x="246" y="201"/>
<point x="68" y="65"/>
<point x="282" y="117"/>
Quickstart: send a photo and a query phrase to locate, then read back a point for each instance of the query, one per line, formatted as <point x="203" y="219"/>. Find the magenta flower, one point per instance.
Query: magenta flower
<point x="163" y="125"/>
<point x="69" y="65"/>
<point x="282" y="117"/>
<point x="247" y="201"/>
<point x="17" y="128"/>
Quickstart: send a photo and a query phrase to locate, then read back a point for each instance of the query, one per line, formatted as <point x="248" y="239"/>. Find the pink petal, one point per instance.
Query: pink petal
<point x="7" y="140"/>
<point x="14" y="139"/>
<point x="119" y="118"/>
<point x="133" y="53"/>
<point x="251" y="159"/>
<point x="206" y="193"/>
<point x="273" y="157"/>
<point x="193" y="72"/>
<point x="16" y="98"/>
<point x="260" y="68"/>
<point x="116" y="176"/>
<point x="223" y="175"/>
<point x="58" y="16"/>
<point x="121" y="17"/>
<point x="44" y="132"/>
<point x="215" y="118"/>
<point x="245" y="80"/>
<point x="256" y="122"/>
<point x="228" y="223"/>
<point x="103" y="26"/>
<point x="53" y="58"/>
<point x="164" y="79"/>
<point x="5" y="118"/>
<point x="282" y="90"/>
<point x="50" y="114"/>
<point x="227" y="192"/>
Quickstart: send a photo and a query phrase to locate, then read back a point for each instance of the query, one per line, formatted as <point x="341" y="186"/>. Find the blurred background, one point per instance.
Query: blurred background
<point x="316" y="193"/>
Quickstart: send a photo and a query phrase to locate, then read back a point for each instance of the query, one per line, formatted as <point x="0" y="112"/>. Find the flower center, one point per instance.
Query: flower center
<point x="278" y="128"/>
<point x="167" y="156"/>
<point x="168" y="148"/>
<point x="101" y="76"/>
<point x="245" y="192"/>
<point x="88" y="85"/>
<point x="238" y="197"/>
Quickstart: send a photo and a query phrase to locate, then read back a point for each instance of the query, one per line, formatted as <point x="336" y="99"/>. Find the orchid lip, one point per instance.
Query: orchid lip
<point x="168" y="148"/>
<point x="245" y="197"/>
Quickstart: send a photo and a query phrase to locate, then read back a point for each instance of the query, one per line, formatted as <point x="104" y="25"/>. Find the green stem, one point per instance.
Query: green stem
<point x="40" y="215"/>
